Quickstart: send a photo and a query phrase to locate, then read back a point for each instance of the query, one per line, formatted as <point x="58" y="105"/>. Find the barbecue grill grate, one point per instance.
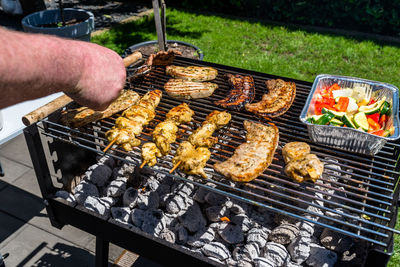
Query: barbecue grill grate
<point x="360" y="201"/>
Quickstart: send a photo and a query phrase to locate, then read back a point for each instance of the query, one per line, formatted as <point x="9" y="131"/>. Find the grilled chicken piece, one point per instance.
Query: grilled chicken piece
<point x="192" y="73"/>
<point x="150" y="153"/>
<point x="79" y="117"/>
<point x="295" y="151"/>
<point x="253" y="157"/>
<point x="164" y="134"/>
<point x="202" y="136"/>
<point x="308" y="167"/>
<point x="193" y="160"/>
<point x="279" y="99"/>
<point x="180" y="114"/>
<point x="151" y="98"/>
<point x="139" y="114"/>
<point x="242" y="92"/>
<point x="132" y="126"/>
<point x="125" y="138"/>
<point x="180" y="88"/>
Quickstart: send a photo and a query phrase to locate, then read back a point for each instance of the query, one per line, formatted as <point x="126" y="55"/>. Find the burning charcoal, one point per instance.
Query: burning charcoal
<point x="163" y="189"/>
<point x="216" y="250"/>
<point x="292" y="264"/>
<point x="121" y="214"/>
<point x="321" y="257"/>
<point x="276" y="253"/>
<point x="355" y="256"/>
<point x="215" y="199"/>
<point x="98" y="174"/>
<point x="185" y="188"/>
<point x="337" y="215"/>
<point x="231" y="233"/>
<point x="106" y="160"/>
<point x="335" y="241"/>
<point x="137" y="216"/>
<point x="201" y="193"/>
<point x="66" y="195"/>
<point x="124" y="171"/>
<point x="332" y="170"/>
<point x="148" y="200"/>
<point x="263" y="262"/>
<point x="283" y="219"/>
<point x="242" y="220"/>
<point x="167" y="235"/>
<point x="258" y="236"/>
<point x="83" y="190"/>
<point x="306" y="229"/>
<point x="193" y="218"/>
<point x="181" y="234"/>
<point x="202" y="237"/>
<point x="151" y="222"/>
<point x="299" y="249"/>
<point x="251" y="251"/>
<point x="231" y="263"/>
<point x="152" y="184"/>
<point x="244" y="263"/>
<point x="284" y="233"/>
<point x="117" y="187"/>
<point x="238" y="208"/>
<point x="215" y="213"/>
<point x="178" y="203"/>
<point x="129" y="198"/>
<point x="99" y="205"/>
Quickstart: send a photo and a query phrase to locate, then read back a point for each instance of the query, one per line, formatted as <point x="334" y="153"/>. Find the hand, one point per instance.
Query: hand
<point x="102" y="79"/>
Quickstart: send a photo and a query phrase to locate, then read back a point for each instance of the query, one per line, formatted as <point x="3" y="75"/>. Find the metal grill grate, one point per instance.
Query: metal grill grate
<point x="358" y="200"/>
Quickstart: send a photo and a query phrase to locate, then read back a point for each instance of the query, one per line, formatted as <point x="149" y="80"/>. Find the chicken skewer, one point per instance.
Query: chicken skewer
<point x="192" y="155"/>
<point x="164" y="134"/>
<point x="130" y="124"/>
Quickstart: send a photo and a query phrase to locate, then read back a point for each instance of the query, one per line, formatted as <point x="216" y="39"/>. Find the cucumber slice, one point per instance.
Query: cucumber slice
<point x="336" y="122"/>
<point x="325" y="119"/>
<point x="337" y="114"/>
<point x="360" y="121"/>
<point x="347" y="121"/>
<point x="373" y="108"/>
<point x="385" y="108"/>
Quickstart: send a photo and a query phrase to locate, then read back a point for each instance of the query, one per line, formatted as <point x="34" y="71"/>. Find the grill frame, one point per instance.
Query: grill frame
<point x="392" y="148"/>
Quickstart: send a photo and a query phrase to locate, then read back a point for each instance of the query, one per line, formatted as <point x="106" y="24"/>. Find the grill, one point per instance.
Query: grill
<point x="361" y="196"/>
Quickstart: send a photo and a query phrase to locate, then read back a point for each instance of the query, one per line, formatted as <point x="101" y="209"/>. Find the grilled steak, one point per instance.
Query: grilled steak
<point x="180" y="88"/>
<point x="192" y="73"/>
<point x="294" y="151"/>
<point x="308" y="167"/>
<point x="253" y="157"/>
<point x="280" y="97"/>
<point x="242" y="93"/>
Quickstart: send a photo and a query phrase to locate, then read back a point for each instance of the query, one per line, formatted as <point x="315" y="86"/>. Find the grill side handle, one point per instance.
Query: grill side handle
<point x="47" y="109"/>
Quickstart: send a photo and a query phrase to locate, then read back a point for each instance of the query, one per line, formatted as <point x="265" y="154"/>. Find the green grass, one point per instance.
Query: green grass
<point x="271" y="49"/>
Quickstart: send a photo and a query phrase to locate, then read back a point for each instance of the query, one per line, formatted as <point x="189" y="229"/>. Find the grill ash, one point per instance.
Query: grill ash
<point x="228" y="231"/>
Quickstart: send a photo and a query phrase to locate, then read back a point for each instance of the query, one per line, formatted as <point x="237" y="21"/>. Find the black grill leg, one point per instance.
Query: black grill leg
<point x="101" y="252"/>
<point x="1" y="171"/>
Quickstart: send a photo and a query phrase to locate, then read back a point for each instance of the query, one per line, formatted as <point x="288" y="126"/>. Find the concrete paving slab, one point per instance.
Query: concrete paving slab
<point x="28" y="183"/>
<point x="31" y="246"/>
<point x="17" y="150"/>
<point x="12" y="170"/>
<point x="114" y="250"/>
<point x="8" y="226"/>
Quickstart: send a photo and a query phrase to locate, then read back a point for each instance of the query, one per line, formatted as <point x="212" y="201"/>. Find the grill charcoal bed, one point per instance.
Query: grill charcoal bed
<point x="357" y="195"/>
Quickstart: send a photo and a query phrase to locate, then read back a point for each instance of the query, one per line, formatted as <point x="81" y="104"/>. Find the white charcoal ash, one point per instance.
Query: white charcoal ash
<point x="337" y="214"/>
<point x="106" y="160"/>
<point x="177" y="203"/>
<point x="229" y="262"/>
<point x="331" y="170"/>
<point x="284" y="233"/>
<point x="130" y="197"/>
<point x="231" y="233"/>
<point x="275" y="252"/>
<point x="263" y="262"/>
<point x="66" y="196"/>
<point x="167" y="235"/>
<point x="258" y="236"/>
<point x="237" y="207"/>
<point x="101" y="205"/>
<point x="117" y="187"/>
<point x="321" y="257"/>
<point x="193" y="219"/>
<point x="125" y="170"/>
<point x="202" y="237"/>
<point x="148" y="200"/>
<point x="121" y="214"/>
<point x="216" y="250"/>
<point x="335" y="241"/>
<point x="292" y="264"/>
<point x="83" y="190"/>
<point x="247" y="252"/>
<point x="185" y="188"/>
<point x="152" y="184"/>
<point x="244" y="263"/>
<point x="98" y="174"/>
<point x="299" y="249"/>
<point x="163" y="189"/>
<point x="283" y="219"/>
<point x="306" y="229"/>
<point x="339" y="197"/>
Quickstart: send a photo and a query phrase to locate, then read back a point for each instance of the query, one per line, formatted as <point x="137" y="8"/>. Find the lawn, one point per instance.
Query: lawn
<point x="271" y="49"/>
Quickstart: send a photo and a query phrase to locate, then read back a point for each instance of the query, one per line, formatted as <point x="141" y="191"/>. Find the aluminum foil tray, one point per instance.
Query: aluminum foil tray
<point x="347" y="138"/>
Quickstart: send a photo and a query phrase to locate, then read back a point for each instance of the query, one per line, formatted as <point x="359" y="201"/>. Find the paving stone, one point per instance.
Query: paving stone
<point x="28" y="182"/>
<point x="12" y="171"/>
<point x="17" y="150"/>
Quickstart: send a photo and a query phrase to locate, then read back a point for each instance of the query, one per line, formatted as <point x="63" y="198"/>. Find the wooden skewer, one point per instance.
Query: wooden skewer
<point x="176" y="166"/>
<point x="110" y="144"/>
<point x="142" y="165"/>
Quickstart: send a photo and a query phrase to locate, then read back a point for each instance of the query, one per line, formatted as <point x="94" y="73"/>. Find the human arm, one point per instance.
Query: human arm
<point x="33" y="66"/>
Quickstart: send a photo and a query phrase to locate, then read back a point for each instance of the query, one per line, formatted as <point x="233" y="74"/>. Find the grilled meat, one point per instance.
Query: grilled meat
<point x="180" y="88"/>
<point x="294" y="151"/>
<point x="242" y="92"/>
<point x="219" y="118"/>
<point x="150" y="153"/>
<point x="164" y="135"/>
<point x="193" y="160"/>
<point x="131" y="123"/>
<point x="280" y="97"/>
<point x="180" y="114"/>
<point x="308" y="167"/>
<point x="253" y="157"/>
<point x="192" y="73"/>
<point x="79" y="117"/>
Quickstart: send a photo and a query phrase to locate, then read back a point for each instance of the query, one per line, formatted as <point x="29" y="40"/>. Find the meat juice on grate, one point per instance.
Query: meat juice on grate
<point x="190" y="216"/>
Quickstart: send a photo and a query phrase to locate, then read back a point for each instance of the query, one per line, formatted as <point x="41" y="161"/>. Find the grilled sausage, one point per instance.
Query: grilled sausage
<point x="242" y="93"/>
